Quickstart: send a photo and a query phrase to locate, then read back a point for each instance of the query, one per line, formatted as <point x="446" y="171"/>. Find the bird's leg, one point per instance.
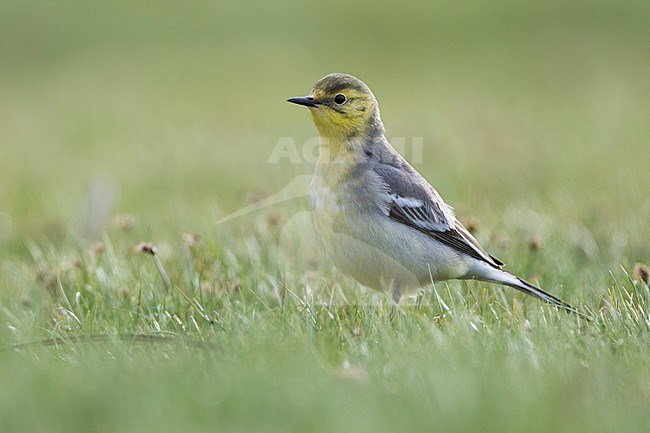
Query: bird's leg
<point x="397" y="293"/>
<point x="396" y="296"/>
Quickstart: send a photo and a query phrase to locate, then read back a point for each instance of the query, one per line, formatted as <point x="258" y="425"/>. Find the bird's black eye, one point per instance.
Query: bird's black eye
<point x="339" y="99"/>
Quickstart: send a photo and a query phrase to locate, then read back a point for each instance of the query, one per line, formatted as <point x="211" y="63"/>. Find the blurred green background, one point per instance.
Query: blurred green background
<point x="177" y="106"/>
<point x="534" y="117"/>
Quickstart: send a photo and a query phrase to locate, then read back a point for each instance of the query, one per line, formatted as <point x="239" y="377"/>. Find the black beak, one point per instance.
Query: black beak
<point x="307" y="101"/>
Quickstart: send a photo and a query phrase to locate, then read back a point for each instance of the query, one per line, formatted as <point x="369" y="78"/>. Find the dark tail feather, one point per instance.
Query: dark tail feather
<point x="530" y="289"/>
<point x="502" y="277"/>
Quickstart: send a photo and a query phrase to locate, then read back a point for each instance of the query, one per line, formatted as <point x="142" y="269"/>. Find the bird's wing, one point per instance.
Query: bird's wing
<point x="412" y="201"/>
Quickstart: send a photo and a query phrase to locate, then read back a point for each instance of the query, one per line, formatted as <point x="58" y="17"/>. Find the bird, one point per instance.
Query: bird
<point x="377" y="217"/>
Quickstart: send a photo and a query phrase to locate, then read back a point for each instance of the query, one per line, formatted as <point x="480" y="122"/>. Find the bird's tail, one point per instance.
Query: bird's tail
<point x="503" y="277"/>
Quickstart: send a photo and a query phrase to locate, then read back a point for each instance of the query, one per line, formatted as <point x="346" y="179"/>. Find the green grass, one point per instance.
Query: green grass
<point x="534" y="118"/>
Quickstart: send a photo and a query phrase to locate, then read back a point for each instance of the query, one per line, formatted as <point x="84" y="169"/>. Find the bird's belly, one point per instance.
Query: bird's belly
<point x="381" y="253"/>
<point x="368" y="264"/>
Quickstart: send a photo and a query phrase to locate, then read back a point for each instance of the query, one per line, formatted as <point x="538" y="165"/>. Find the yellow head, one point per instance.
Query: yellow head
<point x="342" y="107"/>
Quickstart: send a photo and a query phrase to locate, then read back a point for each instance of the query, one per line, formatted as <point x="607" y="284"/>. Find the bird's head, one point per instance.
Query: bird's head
<point x="342" y="106"/>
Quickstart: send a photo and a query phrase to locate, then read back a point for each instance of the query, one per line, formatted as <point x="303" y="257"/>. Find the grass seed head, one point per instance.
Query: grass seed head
<point x="146" y="248"/>
<point x="641" y="272"/>
<point x="535" y="242"/>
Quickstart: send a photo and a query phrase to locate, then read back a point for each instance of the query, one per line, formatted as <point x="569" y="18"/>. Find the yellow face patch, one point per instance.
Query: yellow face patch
<point x="348" y="118"/>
